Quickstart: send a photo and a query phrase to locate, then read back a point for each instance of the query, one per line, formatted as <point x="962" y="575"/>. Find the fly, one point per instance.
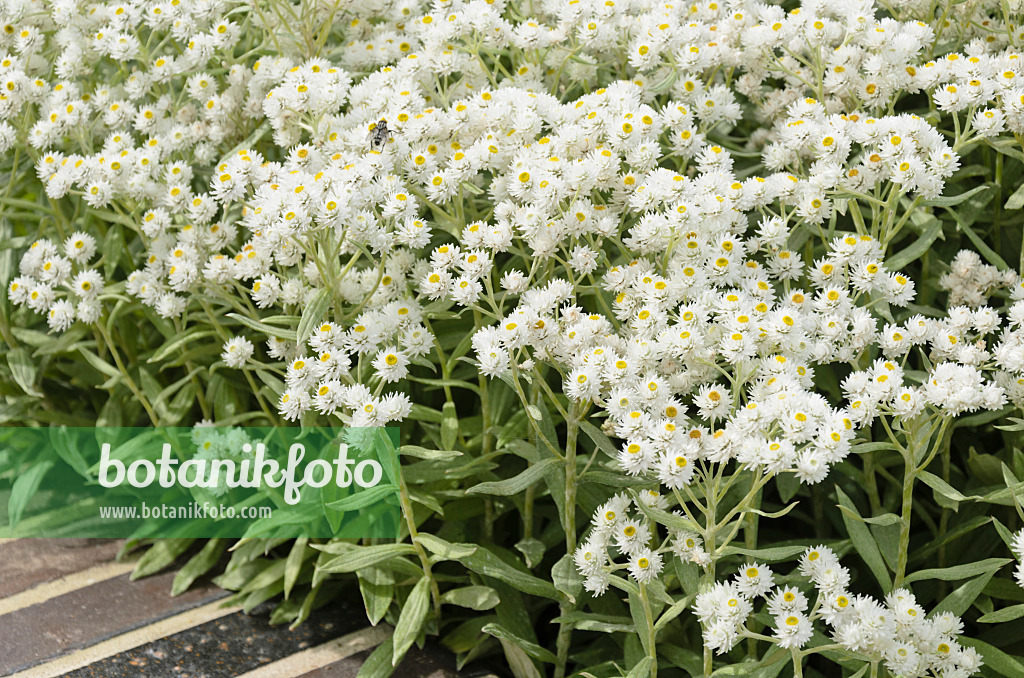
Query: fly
<point x="379" y="135"/>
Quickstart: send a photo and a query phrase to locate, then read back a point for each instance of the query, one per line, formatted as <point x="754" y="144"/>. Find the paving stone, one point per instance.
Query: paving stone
<point x="430" y="662"/>
<point x="82" y="618"/>
<point x="25" y="563"/>
<point x="226" y="647"/>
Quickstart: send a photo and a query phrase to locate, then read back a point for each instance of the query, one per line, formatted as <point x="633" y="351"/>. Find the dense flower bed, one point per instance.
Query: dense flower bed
<point x="702" y="322"/>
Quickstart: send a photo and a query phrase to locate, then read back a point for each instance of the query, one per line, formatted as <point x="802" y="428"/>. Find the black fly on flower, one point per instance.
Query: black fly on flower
<point x="379" y="135"/>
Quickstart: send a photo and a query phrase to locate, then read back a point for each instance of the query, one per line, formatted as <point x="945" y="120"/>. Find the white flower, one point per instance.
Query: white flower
<point x="61" y="315"/>
<point x="391" y="364"/>
<point x="645" y="565"/>
<point x="237" y="351"/>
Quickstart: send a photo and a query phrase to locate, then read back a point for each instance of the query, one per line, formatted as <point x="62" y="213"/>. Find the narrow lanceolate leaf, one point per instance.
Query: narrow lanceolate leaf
<point x="24" y="370"/>
<point x="198" y="565"/>
<point x="958" y="571"/>
<point x="486" y="563"/>
<point x="313" y="314"/>
<point x="410" y="621"/>
<point x="265" y="328"/>
<point x="518" y="661"/>
<point x="472" y="597"/>
<point x="449" y="426"/>
<point x="567" y="578"/>
<point x="950" y="200"/>
<point x="516" y="484"/>
<point x="602" y="441"/>
<point x="1016" y="201"/>
<point x="916" y="250"/>
<point x="365" y="556"/>
<point x="863" y="541"/>
<point x="643" y="668"/>
<point x="296" y="557"/>
<point x="363" y="498"/>
<point x="377" y="587"/>
<point x="532" y="649"/>
<point x="424" y="453"/>
<point x="942" y="487"/>
<point x="159" y="556"/>
<point x="24" y="487"/>
<point x="884" y="519"/>
<point x="445" y="549"/>
<point x="960" y="600"/>
<point x="1004" y="615"/>
<point x="378" y="664"/>
<point x="771" y="554"/>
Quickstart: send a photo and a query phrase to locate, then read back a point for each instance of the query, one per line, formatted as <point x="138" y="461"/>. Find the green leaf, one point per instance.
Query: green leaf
<point x="516" y="484"/>
<point x="943" y="489"/>
<point x="431" y="455"/>
<point x="485" y="563"/>
<point x="961" y="599"/>
<point x="602" y="441"/>
<point x="518" y="661"/>
<point x="474" y="597"/>
<point x="24" y="370"/>
<point x="179" y="341"/>
<point x="775" y="514"/>
<point x="532" y="549"/>
<point x="1003" y="615"/>
<point x="265" y="328"/>
<point x="378" y="664"/>
<point x="918" y="248"/>
<point x="315" y="311"/>
<point x="771" y="554"/>
<point x="951" y="200"/>
<point x="643" y="668"/>
<point x="410" y="621"/>
<point x="363" y="498"/>
<point x="364" y="556"/>
<point x="25" y="485"/>
<point x="198" y="565"/>
<point x="99" y="364"/>
<point x="567" y="578"/>
<point x="1016" y="201"/>
<point x="863" y="541"/>
<point x="672" y="612"/>
<point x="958" y="571"/>
<point x="377" y="587"/>
<point x="159" y="556"/>
<point x="532" y="649"/>
<point x="884" y="519"/>
<point x="603" y="623"/>
<point x="293" y="566"/>
<point x="983" y="248"/>
<point x="445" y="549"/>
<point x="449" y="425"/>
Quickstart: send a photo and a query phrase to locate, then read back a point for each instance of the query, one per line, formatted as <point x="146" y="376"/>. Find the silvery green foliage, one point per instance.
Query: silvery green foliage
<point x="698" y="234"/>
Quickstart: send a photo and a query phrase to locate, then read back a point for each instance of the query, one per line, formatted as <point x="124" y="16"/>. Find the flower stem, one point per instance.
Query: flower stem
<point x="649" y="618"/>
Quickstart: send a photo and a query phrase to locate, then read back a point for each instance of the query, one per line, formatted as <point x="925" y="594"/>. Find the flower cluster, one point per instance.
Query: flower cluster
<point x="615" y="531"/>
<point x="897" y="630"/>
<point x="59" y="283"/>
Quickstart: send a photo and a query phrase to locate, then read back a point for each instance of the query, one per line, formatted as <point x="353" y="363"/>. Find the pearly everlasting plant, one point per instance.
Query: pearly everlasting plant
<point x="662" y="296"/>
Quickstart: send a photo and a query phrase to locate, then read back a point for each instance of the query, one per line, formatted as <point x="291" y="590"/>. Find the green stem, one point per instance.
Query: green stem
<point x="905" y="516"/>
<point x="410" y="523"/>
<point x="127" y="377"/>
<point x="564" y="641"/>
<point x="649" y="618"/>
